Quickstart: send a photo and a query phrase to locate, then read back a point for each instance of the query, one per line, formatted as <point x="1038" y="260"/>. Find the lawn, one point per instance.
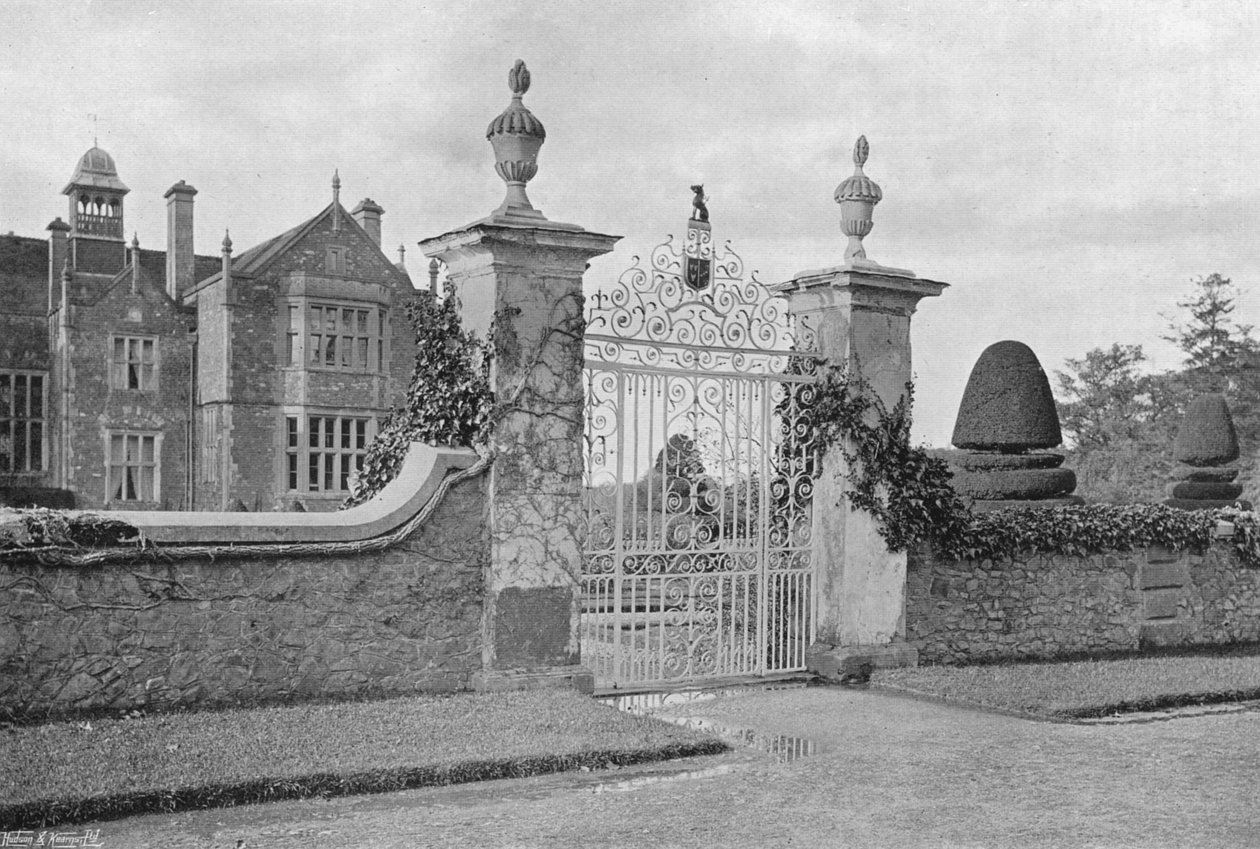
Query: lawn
<point x="1083" y="689"/>
<point x="102" y="769"/>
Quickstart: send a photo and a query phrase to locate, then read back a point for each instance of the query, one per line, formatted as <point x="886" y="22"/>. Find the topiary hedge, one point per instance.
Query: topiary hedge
<point x="979" y="461"/>
<point x="1206" y="436"/>
<point x="1007" y="405"/>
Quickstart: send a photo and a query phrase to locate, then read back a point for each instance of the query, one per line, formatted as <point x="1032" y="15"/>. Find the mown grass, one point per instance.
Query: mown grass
<point x="103" y="769"/>
<point x="1090" y="688"/>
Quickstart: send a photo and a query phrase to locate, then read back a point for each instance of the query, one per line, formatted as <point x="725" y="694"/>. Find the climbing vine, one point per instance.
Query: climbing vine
<point x="909" y="494"/>
<point x="906" y="490"/>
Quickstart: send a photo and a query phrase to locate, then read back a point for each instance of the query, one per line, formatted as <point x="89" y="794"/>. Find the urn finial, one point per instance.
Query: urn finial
<point x="861" y="150"/>
<point x="857" y="197"/>
<point x="516" y="136"/>
<point x="518" y="78"/>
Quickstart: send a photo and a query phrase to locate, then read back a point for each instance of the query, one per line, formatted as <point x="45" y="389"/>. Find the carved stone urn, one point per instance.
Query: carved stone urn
<point x="857" y="197"/>
<point x="517" y="136"/>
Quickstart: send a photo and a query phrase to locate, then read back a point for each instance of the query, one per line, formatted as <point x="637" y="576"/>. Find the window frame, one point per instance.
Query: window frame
<point x="358" y="331"/>
<point x="335" y="260"/>
<point x="120" y="370"/>
<point x="114" y="463"/>
<point x="323" y="450"/>
<point x="32" y="426"/>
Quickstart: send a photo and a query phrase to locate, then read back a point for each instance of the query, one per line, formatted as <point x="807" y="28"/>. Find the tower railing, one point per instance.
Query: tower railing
<point x="108" y="226"/>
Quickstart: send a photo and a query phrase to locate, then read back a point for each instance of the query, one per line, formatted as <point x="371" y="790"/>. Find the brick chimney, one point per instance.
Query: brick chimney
<point x="368" y="214"/>
<point x="58" y="231"/>
<point x="180" y="261"/>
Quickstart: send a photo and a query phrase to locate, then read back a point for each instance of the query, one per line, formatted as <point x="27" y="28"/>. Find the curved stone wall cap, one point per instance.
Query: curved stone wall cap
<point x="422" y="472"/>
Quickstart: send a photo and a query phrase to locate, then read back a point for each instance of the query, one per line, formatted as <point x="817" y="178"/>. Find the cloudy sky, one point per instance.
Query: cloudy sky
<point x="1067" y="167"/>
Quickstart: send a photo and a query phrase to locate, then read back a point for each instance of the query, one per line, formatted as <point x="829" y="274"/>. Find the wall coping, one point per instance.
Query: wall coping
<point x="422" y="473"/>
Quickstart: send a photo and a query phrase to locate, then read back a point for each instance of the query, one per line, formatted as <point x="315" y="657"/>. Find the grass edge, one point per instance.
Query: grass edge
<point x="44" y="813"/>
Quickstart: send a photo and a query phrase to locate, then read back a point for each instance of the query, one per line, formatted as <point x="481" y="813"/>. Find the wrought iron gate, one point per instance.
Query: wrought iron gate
<point x="698" y="474"/>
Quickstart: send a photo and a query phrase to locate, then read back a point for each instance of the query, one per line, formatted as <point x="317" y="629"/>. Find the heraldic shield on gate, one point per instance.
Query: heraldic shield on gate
<point x="698" y="562"/>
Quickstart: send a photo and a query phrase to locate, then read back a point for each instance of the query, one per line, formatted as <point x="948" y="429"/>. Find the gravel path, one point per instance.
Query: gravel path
<point x="887" y="771"/>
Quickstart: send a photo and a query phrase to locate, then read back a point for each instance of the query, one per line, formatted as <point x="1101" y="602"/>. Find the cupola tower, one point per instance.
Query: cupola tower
<point x="96" y="214"/>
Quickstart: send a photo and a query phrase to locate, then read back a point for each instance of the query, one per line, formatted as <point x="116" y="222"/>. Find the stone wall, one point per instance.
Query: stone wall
<point x="249" y="630"/>
<point x="1042" y="606"/>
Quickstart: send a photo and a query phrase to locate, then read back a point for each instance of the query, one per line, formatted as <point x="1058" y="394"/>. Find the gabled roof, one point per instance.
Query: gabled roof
<point x="152" y="272"/>
<point x="255" y="261"/>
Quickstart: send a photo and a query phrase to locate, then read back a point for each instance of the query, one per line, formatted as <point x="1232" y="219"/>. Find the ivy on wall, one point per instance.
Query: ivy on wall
<point x="448" y="401"/>
<point x="909" y="494"/>
<point x="907" y="491"/>
<point x="24" y="532"/>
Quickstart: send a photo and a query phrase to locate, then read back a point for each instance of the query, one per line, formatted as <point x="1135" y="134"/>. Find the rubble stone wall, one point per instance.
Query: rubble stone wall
<point x="248" y="631"/>
<point x="1044" y="606"/>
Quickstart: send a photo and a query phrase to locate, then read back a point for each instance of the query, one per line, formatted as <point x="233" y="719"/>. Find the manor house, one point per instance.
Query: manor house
<point x="141" y="379"/>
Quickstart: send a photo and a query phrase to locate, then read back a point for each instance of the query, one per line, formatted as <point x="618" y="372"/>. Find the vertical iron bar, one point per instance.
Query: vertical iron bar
<point x="763" y="516"/>
<point x="619" y="522"/>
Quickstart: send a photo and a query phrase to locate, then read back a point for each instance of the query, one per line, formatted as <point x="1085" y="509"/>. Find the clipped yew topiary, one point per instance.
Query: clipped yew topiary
<point x="1205" y="442"/>
<point x="979" y="461"/>
<point x="1207" y="436"/>
<point x="1007" y="405"/>
<point x="1017" y="484"/>
<point x="1006" y="413"/>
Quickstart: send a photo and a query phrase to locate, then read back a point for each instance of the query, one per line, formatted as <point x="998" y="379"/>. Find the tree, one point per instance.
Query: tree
<point x="1121" y="420"/>
<point x="448" y="400"/>
<point x="1120" y="423"/>
<point x="1216" y="347"/>
<point x="1220" y="354"/>
<point x="1106" y="399"/>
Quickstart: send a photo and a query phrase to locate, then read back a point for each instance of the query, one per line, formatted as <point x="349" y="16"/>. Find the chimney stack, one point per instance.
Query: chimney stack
<point x="135" y="263"/>
<point x="180" y="261"/>
<point x="368" y="214"/>
<point x="58" y="252"/>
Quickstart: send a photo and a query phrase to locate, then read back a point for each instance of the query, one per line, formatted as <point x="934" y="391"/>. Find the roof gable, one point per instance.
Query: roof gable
<point x="152" y="277"/>
<point x="261" y="257"/>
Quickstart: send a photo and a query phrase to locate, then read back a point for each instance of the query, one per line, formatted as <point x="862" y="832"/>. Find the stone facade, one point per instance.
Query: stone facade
<point x="208" y="391"/>
<point x="247" y="631"/>
<point x="1045" y="606"/>
<point x="96" y="408"/>
<point x="261" y="321"/>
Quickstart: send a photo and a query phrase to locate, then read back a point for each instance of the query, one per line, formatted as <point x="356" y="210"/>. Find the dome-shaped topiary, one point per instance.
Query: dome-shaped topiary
<point x="1206" y="436"/>
<point x="1007" y="405"/>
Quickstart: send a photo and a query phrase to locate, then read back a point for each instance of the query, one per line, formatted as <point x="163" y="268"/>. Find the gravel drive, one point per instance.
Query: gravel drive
<point x="886" y="771"/>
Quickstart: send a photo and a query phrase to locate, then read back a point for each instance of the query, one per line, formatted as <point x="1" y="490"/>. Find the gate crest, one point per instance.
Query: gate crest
<point x="653" y="316"/>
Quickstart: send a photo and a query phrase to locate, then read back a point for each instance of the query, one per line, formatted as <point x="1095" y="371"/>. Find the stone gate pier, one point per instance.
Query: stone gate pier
<point x="860" y="312"/>
<point x="519" y="279"/>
